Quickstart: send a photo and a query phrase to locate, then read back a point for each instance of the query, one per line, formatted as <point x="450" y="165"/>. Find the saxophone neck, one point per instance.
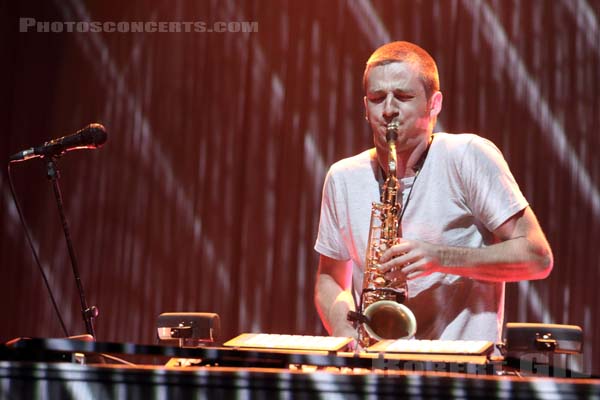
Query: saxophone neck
<point x="391" y="185"/>
<point x="391" y="136"/>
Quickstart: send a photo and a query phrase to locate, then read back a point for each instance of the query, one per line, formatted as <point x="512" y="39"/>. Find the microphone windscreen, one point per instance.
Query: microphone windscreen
<point x="93" y="135"/>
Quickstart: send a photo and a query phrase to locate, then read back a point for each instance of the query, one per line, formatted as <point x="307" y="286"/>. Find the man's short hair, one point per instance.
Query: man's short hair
<point x="406" y="52"/>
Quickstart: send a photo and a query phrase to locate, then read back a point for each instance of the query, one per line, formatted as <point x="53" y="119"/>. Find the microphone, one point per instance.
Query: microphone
<point x="90" y="137"/>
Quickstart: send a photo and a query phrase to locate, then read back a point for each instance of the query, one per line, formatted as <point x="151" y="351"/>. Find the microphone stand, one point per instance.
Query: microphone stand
<point x="88" y="313"/>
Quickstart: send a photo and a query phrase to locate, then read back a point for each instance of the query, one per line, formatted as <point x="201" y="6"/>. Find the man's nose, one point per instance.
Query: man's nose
<point x="390" y="109"/>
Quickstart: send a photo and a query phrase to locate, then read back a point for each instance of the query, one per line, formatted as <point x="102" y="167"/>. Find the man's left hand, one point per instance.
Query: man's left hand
<point x="410" y="259"/>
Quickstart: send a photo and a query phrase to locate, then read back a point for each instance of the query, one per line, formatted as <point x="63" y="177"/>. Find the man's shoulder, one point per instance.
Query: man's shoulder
<point x="457" y="141"/>
<point x="361" y="161"/>
<point x="458" y="144"/>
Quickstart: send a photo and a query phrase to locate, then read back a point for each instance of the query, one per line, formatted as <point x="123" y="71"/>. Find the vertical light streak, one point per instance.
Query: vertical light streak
<point x="586" y="21"/>
<point x="369" y="23"/>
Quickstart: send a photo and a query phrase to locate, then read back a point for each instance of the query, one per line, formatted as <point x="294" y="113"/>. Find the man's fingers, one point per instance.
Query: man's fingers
<point x="399" y="262"/>
<point x="395" y="251"/>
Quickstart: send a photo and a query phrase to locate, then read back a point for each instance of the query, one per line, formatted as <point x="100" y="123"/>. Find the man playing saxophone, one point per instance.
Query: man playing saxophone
<point x="464" y="226"/>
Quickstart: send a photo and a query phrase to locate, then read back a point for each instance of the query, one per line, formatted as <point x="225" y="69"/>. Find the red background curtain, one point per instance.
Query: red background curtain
<point x="206" y="196"/>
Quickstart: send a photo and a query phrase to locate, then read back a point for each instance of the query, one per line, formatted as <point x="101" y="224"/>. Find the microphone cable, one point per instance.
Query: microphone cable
<point x="34" y="252"/>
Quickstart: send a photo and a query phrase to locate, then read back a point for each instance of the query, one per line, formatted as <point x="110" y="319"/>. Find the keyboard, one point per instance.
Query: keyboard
<point x="288" y="342"/>
<point x="466" y="347"/>
<point x="332" y="343"/>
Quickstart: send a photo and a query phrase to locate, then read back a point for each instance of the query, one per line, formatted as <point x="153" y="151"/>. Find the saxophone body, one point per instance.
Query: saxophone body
<point x="381" y="314"/>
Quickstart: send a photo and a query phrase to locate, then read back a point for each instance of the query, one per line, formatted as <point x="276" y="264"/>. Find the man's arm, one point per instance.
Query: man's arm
<point x="333" y="296"/>
<point x="522" y="253"/>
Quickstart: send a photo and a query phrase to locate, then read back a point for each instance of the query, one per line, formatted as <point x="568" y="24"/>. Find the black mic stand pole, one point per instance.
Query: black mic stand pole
<point x="88" y="313"/>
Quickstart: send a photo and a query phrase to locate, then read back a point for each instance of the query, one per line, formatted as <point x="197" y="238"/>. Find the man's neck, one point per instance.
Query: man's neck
<point x="409" y="161"/>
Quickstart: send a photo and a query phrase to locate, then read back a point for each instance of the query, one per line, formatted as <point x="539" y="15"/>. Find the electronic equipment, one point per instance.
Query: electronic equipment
<point x="543" y="338"/>
<point x="189" y="328"/>
<point x="467" y="347"/>
<point x="288" y="342"/>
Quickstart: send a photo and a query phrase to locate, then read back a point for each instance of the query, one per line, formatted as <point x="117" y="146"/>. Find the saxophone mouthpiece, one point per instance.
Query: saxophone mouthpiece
<point x="392" y="131"/>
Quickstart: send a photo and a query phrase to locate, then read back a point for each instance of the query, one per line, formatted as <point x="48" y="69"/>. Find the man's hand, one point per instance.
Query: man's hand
<point x="410" y="259"/>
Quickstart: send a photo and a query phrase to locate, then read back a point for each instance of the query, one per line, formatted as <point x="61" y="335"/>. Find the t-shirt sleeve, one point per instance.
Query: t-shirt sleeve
<point x="330" y="240"/>
<point x="492" y="192"/>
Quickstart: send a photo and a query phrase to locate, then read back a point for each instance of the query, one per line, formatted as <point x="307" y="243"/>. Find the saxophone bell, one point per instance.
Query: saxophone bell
<point x="388" y="319"/>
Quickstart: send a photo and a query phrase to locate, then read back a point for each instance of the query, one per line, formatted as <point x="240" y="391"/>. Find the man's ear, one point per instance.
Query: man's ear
<point x="366" y="108"/>
<point x="435" y="104"/>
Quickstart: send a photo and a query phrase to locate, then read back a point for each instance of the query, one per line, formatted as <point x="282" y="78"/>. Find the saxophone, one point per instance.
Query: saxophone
<point x="381" y="313"/>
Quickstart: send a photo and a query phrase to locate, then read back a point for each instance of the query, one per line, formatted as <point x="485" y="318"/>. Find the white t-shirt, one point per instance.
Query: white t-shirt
<point x="463" y="192"/>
